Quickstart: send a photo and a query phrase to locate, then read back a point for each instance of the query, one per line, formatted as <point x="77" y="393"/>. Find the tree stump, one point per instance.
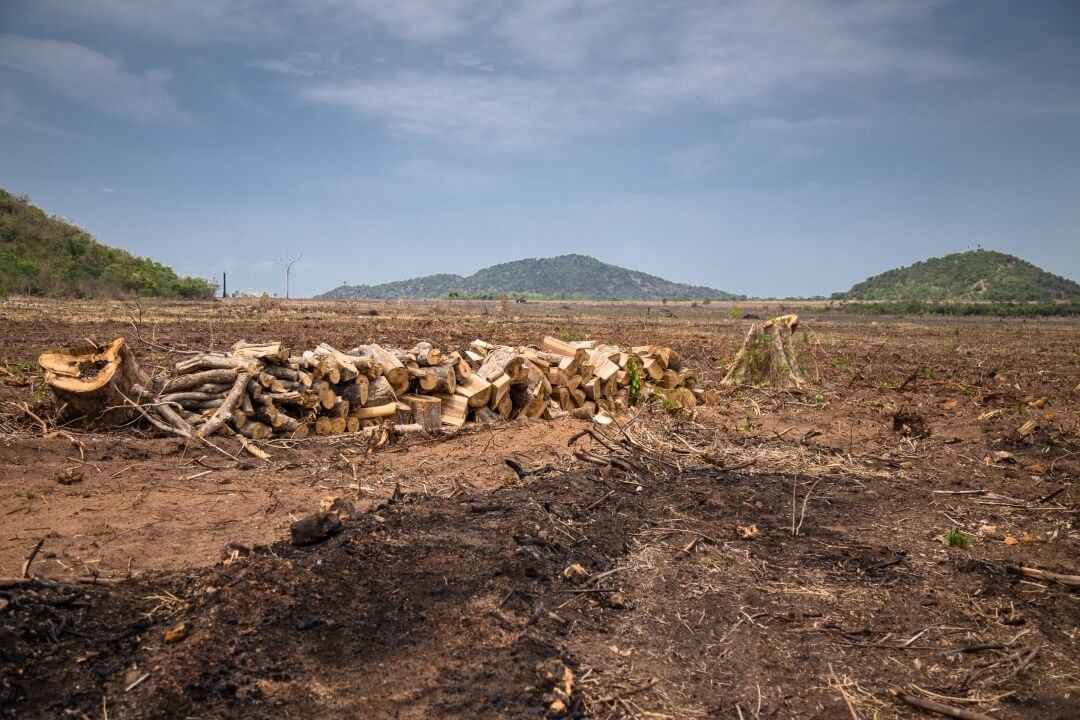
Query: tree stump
<point x="96" y="382"/>
<point x="767" y="356"/>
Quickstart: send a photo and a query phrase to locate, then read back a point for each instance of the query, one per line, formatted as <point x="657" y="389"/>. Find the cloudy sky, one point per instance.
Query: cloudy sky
<point x="765" y="147"/>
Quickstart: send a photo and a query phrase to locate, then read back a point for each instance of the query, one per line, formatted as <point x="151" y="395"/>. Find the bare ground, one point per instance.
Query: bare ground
<point x="444" y="602"/>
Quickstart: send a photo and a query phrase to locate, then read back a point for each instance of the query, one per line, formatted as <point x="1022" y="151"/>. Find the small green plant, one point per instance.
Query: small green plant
<point x="568" y="335"/>
<point x="634" y="372"/>
<point x="957" y="538"/>
<point x="23" y="367"/>
<point x="735" y="313"/>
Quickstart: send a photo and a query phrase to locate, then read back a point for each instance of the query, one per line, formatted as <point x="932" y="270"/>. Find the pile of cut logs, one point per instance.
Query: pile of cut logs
<point x="264" y="390"/>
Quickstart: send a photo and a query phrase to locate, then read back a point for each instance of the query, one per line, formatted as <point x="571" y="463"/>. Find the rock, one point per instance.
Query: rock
<point x="71" y="475"/>
<point x="314" y="528"/>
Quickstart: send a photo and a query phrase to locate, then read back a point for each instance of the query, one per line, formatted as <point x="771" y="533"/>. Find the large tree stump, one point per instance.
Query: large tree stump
<point x="767" y="356"/>
<point x="96" y="382"/>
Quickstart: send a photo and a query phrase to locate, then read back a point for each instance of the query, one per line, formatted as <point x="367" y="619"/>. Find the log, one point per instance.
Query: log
<point x="220" y="376"/>
<point x="426" y="354"/>
<point x="446" y="378"/>
<point x="380" y="392"/>
<point x="426" y="411"/>
<point x="455" y="409"/>
<point x="213" y="362"/>
<point x="585" y="412"/>
<point x="392" y="368"/>
<point x="182" y="398"/>
<point x="425" y="378"/>
<point x="505" y="406"/>
<point x="653" y="369"/>
<point x="475" y="390"/>
<point x="500" y="386"/>
<point x="294" y="428"/>
<point x="499" y="361"/>
<point x="378" y="411"/>
<point x="356" y="392"/>
<point x="273" y="352"/>
<point x="94" y="380"/>
<point x="324" y="426"/>
<point x="327" y="397"/>
<point x="224" y="412"/>
<point x="346" y="368"/>
<point x="282" y="372"/>
<point x="404" y="415"/>
<point x="255" y="430"/>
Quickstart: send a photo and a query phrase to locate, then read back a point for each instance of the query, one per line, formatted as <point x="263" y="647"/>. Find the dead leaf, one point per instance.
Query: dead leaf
<point x="575" y="573"/>
<point x="1004" y="456"/>
<point x="176" y="634"/>
<point x="1038" y="404"/>
<point x="1036" y="468"/>
<point x="987" y="529"/>
<point x="1010" y="540"/>
<point x="747" y="532"/>
<point x="950" y="405"/>
<point x="1028" y="539"/>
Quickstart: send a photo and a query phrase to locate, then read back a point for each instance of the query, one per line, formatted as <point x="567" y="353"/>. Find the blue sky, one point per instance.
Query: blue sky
<point x="761" y="147"/>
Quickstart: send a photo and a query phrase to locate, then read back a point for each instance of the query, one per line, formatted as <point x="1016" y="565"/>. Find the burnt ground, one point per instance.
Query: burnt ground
<point x="451" y="601"/>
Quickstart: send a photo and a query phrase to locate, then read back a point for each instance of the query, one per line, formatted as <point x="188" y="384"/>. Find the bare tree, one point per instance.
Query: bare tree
<point x="287" y="262"/>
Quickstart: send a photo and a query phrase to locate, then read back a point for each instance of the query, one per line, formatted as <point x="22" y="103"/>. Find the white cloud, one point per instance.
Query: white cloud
<point x="581" y="65"/>
<point x="491" y="110"/>
<point x="86" y="76"/>
<point x="107" y="190"/>
<point x="298" y="64"/>
<point x="561" y="67"/>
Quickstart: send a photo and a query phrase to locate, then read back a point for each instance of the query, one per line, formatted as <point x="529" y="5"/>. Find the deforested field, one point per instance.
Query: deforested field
<point x="897" y="539"/>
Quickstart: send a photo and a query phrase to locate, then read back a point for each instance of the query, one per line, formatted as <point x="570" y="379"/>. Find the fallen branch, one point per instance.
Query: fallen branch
<point x="1069" y="581"/>
<point x="941" y="708"/>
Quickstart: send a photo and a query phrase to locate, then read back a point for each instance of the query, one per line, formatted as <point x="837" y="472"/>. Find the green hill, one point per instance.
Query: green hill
<point x="44" y="255"/>
<point x="562" y="277"/>
<point x="977" y="275"/>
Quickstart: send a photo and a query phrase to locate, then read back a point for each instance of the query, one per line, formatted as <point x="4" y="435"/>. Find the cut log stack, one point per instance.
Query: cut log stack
<point x="263" y="390"/>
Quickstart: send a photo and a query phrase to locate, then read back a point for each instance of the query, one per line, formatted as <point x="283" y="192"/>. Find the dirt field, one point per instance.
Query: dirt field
<point x="816" y="582"/>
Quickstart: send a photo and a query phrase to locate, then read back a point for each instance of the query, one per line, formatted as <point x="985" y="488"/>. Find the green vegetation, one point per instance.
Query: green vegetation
<point x="957" y="538"/>
<point x="915" y="307"/>
<point x="566" y="277"/>
<point x="635" y="381"/>
<point x="978" y="275"/>
<point x="43" y="255"/>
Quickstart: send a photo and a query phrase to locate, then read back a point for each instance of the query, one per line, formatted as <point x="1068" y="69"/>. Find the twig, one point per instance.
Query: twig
<point x="1027" y="658"/>
<point x="30" y="559"/>
<point x="941" y="708"/>
<point x="802" y="513"/>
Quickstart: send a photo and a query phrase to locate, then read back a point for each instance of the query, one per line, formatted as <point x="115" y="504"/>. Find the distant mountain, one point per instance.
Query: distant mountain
<point x="969" y="276"/>
<point x="562" y="277"/>
<point x="44" y="255"/>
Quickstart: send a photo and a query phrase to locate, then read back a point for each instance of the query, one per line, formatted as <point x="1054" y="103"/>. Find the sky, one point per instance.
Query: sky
<point x="761" y="147"/>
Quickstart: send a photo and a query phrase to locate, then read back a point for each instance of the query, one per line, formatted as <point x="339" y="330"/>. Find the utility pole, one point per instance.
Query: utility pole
<point x="287" y="262"/>
<point x="224" y="285"/>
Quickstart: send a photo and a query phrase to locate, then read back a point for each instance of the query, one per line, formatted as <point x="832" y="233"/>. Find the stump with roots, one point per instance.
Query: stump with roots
<point x="767" y="356"/>
<point x="100" y="383"/>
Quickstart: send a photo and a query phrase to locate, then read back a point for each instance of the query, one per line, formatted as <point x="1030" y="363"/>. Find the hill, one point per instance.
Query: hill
<point x="44" y="255"/>
<point x="977" y="275"/>
<point x="562" y="277"/>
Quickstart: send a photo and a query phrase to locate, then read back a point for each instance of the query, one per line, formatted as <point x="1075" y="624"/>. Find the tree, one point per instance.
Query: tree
<point x="287" y="262"/>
